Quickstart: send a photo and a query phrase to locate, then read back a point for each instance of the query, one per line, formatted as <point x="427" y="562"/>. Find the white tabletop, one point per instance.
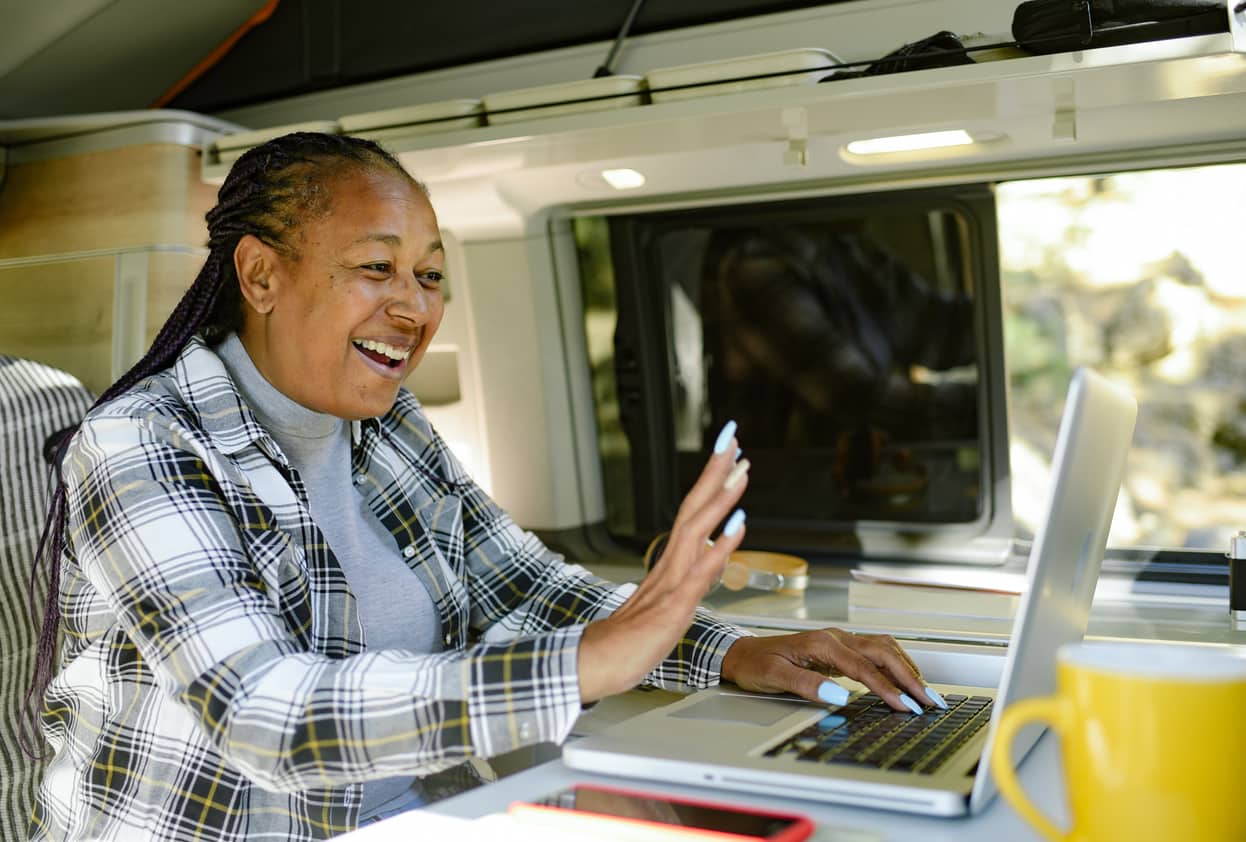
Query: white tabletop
<point x="836" y="823"/>
<point x="1039" y="775"/>
<point x="481" y="813"/>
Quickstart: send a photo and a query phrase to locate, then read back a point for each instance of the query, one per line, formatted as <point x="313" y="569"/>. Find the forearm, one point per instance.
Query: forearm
<point x="296" y="722"/>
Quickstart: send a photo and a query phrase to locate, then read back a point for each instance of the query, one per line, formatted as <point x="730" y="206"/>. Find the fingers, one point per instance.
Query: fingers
<point x="714" y="474"/>
<point x="728" y="541"/>
<point x="697" y="563"/>
<point x="903" y="654"/>
<point x="791" y="663"/>
<point x="708" y="505"/>
<point x="777" y="665"/>
<point x="854" y="664"/>
<point x="784" y="676"/>
<point x="901" y="669"/>
<point x="879" y="663"/>
<point x="719" y="489"/>
<point x="876" y="661"/>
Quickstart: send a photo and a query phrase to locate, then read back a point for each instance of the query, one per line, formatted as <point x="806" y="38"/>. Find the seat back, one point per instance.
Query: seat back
<point x="35" y="402"/>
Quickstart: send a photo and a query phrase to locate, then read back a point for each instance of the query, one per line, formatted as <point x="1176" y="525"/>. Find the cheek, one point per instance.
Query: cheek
<point x="436" y="313"/>
<point x="437" y="307"/>
<point x="335" y="304"/>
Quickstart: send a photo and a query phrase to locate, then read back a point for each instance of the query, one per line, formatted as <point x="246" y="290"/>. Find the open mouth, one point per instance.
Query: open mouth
<point x="382" y="353"/>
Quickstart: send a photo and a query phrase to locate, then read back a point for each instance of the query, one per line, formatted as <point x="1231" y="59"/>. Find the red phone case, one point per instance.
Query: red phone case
<point x="800" y="828"/>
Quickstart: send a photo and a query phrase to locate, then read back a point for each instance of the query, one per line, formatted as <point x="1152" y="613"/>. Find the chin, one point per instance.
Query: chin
<point x="371" y="407"/>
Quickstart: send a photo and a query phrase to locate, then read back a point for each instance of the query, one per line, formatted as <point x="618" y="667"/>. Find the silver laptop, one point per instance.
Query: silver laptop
<point x="863" y="753"/>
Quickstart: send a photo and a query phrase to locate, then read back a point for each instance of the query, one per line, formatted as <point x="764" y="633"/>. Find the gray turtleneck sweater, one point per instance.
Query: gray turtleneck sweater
<point x="394" y="607"/>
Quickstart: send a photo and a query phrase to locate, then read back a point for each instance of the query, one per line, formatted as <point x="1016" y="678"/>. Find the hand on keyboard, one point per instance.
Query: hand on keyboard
<point x="799" y="663"/>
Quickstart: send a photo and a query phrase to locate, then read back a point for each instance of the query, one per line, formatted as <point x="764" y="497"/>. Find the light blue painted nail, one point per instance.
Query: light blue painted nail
<point x="832" y="693"/>
<point x="724" y="437"/>
<point x="910" y="704"/>
<point x="734" y="523"/>
<point x="830" y="722"/>
<point x="739" y="451"/>
<point x="935" y="697"/>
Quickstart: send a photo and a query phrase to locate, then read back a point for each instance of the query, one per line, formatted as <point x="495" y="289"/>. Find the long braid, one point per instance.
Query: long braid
<point x="270" y="191"/>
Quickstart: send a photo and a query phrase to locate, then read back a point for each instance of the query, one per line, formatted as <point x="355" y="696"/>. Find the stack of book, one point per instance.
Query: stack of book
<point x="976" y="601"/>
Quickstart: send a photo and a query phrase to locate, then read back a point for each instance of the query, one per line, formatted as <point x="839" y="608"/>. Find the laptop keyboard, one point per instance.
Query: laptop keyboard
<point x="872" y="735"/>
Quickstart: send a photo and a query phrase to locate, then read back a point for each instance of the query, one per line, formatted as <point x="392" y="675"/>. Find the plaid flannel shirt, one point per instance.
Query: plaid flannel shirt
<point x="214" y="681"/>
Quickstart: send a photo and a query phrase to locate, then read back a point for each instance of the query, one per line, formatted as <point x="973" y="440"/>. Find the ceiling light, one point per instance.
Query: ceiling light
<point x="623" y="179"/>
<point x="909" y="142"/>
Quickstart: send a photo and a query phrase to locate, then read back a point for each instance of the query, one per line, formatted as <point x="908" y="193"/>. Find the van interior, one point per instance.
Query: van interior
<point x="879" y="234"/>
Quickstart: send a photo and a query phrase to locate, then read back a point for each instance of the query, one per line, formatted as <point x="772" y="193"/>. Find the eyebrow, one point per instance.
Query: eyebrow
<point x="395" y="240"/>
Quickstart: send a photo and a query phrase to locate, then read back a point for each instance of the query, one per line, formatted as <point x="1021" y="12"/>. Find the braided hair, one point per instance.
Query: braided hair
<point x="269" y="193"/>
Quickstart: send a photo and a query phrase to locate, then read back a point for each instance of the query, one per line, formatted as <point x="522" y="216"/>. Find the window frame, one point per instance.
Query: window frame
<point x="1155" y="564"/>
<point x="643" y="375"/>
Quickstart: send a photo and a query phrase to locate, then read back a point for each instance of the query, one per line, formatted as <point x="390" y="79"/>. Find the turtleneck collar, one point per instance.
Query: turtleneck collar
<point x="279" y="413"/>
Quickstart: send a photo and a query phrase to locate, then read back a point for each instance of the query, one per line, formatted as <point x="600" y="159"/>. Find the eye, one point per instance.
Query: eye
<point x="380" y="267"/>
<point x="432" y="277"/>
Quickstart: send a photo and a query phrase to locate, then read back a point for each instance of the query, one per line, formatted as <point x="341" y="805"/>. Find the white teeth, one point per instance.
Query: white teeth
<point x="383" y="348"/>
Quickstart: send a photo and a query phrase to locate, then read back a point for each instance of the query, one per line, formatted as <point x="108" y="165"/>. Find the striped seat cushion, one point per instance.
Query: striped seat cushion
<point x="35" y="401"/>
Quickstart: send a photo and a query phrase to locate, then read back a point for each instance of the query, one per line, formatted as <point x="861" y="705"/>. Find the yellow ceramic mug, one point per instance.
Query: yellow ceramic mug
<point x="1152" y="739"/>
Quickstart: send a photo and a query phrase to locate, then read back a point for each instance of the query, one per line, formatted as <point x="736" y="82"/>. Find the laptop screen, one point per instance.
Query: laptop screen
<point x="849" y="337"/>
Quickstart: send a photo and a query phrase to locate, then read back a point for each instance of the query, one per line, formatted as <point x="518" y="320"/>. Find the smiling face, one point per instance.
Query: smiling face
<point x="340" y="322"/>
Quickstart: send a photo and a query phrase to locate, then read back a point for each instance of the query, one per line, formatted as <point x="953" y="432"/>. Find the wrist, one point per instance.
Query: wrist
<point x="601" y="671"/>
<point x="730" y="663"/>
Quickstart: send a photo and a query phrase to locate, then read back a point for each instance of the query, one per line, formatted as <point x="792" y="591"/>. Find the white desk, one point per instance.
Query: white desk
<point x="1203" y="621"/>
<point x="1039" y="774"/>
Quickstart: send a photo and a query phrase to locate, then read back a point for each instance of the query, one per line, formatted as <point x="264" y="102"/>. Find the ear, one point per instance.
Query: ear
<point x="256" y="264"/>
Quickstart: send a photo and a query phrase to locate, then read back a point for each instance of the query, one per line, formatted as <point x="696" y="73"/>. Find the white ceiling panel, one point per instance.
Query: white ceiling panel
<point x="27" y="27"/>
<point x="86" y="56"/>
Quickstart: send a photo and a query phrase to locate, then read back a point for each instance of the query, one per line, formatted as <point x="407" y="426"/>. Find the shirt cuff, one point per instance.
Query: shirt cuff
<point x="719" y="636"/>
<point x="524" y="692"/>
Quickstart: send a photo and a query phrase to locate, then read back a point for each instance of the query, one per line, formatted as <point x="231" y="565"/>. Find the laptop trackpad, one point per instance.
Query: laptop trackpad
<point x="741" y="709"/>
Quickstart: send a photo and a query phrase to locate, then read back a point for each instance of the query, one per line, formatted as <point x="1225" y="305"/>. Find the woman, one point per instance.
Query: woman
<point x="284" y="601"/>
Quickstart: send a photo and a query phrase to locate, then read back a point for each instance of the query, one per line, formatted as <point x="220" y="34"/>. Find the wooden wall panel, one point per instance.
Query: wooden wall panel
<point x="116" y="198"/>
<point x="62" y="223"/>
<point x="169" y="275"/>
<point x="61" y="315"/>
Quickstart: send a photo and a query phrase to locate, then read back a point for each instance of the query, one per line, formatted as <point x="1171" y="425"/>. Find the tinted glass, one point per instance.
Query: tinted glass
<point x="842" y="340"/>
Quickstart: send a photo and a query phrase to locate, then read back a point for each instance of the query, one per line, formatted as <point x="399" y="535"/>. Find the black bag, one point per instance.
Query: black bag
<point x="1058" y="26"/>
<point x="942" y="49"/>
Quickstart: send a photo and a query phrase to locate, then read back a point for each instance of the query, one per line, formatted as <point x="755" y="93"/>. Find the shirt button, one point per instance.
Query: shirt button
<point x="525" y="731"/>
<point x="408" y="551"/>
<point x="359" y="478"/>
<point x="448" y="639"/>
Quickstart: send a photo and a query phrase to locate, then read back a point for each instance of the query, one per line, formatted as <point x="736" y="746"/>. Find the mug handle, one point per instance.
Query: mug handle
<point x="1049" y="709"/>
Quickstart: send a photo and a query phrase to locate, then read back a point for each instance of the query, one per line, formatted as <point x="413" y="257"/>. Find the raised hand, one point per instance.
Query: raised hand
<point x="616" y="653"/>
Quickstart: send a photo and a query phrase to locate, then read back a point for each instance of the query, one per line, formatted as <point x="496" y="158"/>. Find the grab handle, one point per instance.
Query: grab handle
<point x="1049" y="709"/>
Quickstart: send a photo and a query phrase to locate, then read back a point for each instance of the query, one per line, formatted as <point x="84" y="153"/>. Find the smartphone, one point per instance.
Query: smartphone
<point x="573" y="807"/>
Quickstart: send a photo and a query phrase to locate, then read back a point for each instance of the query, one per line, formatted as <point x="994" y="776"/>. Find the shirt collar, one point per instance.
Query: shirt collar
<point x="211" y="394"/>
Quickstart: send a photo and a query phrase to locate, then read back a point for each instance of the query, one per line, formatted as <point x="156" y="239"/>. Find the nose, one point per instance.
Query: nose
<point x="411" y="301"/>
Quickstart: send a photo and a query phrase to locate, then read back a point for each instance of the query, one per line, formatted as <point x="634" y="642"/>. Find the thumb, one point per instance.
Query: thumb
<point x="808" y="684"/>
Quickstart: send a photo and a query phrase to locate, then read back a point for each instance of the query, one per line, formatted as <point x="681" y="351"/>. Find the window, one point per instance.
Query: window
<point x="854" y="339"/>
<point x="862" y="343"/>
<point x="1140" y="275"/>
